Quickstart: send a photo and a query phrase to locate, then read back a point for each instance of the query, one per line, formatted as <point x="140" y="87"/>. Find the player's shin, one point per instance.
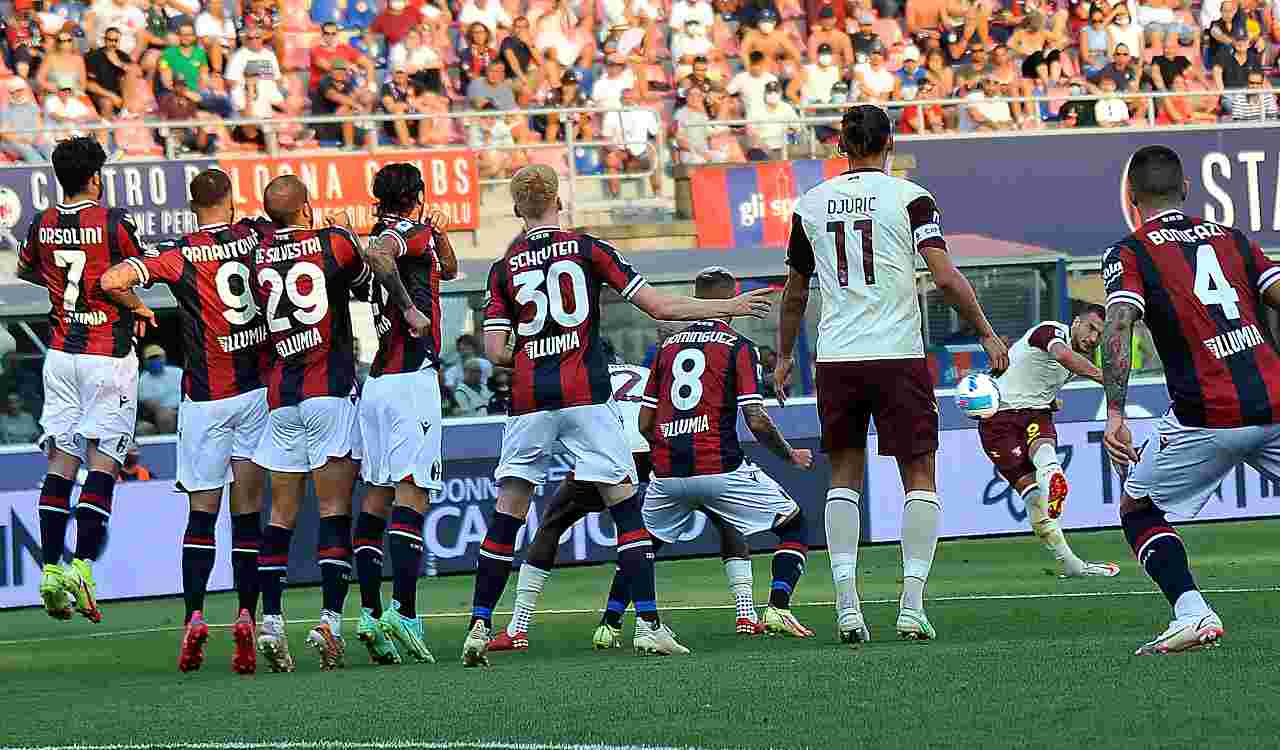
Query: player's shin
<point x="843" y="519"/>
<point x="619" y="599"/>
<point x="920" y="520"/>
<point x="334" y="555"/>
<point x="788" y="560"/>
<point x="197" y="559"/>
<point x="367" y="542"/>
<point x="246" y="543"/>
<point x="1160" y="552"/>
<point x="93" y="511"/>
<point x="406" y="544"/>
<point x="635" y="557"/>
<point x="1047" y="529"/>
<point x="529" y="587"/>
<point x="273" y="567"/>
<point x="55" y="512"/>
<point x="493" y="566"/>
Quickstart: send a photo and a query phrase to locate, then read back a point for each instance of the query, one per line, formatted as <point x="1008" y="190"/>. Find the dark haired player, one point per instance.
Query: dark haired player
<point x="860" y="232"/>
<point x="546" y="290"/>
<point x="224" y="409"/>
<point x="1197" y="285"/>
<point x="400" y="417"/>
<point x="90" y="370"/>
<point x="1021" y="439"/>
<point x="302" y="281"/>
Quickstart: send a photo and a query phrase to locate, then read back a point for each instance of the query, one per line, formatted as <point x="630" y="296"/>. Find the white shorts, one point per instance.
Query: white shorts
<point x="1182" y="466"/>
<point x="212" y="433"/>
<point x="89" y="397"/>
<point x="593" y="435"/>
<point x="400" y="424"/>
<point x="304" y="437"/>
<point x="747" y="498"/>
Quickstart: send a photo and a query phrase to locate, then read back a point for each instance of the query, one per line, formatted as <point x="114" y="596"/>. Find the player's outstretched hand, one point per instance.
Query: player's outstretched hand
<point x="802" y="458"/>
<point x="340" y="219"/>
<point x="145" y="316"/>
<point x="419" y="324"/>
<point x="752" y="304"/>
<point x="997" y="352"/>
<point x="781" y="378"/>
<point x="1118" y="441"/>
<point x="438" y="219"/>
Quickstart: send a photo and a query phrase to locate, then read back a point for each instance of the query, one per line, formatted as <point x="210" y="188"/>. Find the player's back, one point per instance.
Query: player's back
<point x="69" y="248"/>
<point x="209" y="273"/>
<point x="860" y="232"/>
<point x="398" y="350"/>
<point x="1034" y="376"/>
<point x="302" y="283"/>
<point x="547" y="289"/>
<point x="1198" y="285"/>
<point x="700" y="377"/>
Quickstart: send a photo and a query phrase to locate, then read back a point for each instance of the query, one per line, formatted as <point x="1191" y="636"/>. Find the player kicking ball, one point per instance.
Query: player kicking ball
<point x="1020" y="438"/>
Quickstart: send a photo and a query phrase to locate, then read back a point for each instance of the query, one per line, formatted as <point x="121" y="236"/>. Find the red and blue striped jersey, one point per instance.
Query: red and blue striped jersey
<point x="1198" y="285"/>
<point x="398" y="351"/>
<point x="700" y="378"/>
<point x="547" y="289"/>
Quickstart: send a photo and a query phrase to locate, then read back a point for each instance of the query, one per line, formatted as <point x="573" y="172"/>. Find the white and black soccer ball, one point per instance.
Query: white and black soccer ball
<point x="977" y="395"/>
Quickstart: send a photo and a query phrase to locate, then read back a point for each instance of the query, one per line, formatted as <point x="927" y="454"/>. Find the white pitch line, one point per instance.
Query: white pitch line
<point x="678" y="608"/>
<point x="339" y="745"/>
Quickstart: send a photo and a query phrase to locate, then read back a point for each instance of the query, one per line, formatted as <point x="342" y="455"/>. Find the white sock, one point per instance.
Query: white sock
<point x="1048" y="531"/>
<point x="528" y="589"/>
<point x="273" y="624"/>
<point x="738" y="571"/>
<point x="1045" y="460"/>
<point x="1190" y="604"/>
<point x="843" y="518"/>
<point x="333" y="620"/>
<point x="920" y="520"/>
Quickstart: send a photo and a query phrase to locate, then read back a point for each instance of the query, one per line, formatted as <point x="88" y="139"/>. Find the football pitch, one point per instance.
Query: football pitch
<point x="1023" y="660"/>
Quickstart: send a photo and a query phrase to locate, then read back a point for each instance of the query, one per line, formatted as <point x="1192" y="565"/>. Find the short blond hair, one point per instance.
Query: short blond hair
<point x="534" y="190"/>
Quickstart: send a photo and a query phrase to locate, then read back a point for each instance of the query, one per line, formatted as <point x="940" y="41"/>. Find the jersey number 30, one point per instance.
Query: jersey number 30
<point x="545" y="293"/>
<point x="861" y="236"/>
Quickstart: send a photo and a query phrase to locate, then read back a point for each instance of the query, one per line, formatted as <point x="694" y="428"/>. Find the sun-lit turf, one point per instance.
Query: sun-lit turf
<point x="1051" y="672"/>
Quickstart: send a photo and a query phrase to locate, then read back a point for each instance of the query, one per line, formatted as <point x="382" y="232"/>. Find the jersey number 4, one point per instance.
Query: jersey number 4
<point x="861" y="236"/>
<point x="1212" y="287"/>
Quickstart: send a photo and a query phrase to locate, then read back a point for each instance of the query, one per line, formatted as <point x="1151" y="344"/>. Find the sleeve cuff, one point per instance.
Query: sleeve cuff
<point x="145" y="275"/>
<point x="652" y="403"/>
<point x="750" y="398"/>
<point x="1131" y="298"/>
<point x="1268" y="278"/>
<point x="630" y="290"/>
<point x="362" y="277"/>
<point x="497" y="324"/>
<point x="400" y="243"/>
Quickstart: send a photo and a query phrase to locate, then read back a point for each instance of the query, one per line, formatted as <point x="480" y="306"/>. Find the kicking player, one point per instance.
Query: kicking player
<point x="1197" y="285"/>
<point x="1020" y="438"/>
<point x="546" y="290"/>
<point x="302" y="280"/>
<point x="400" y="417"/>
<point x="860" y="232"/>
<point x="90" y="369"/>
<point x="224" y="408"/>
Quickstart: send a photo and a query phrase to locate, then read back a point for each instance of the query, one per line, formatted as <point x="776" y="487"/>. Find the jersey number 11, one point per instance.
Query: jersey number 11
<point x="861" y="231"/>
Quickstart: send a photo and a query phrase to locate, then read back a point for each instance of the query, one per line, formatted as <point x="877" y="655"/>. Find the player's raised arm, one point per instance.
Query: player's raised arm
<point x="959" y="294"/>
<point x="1074" y="361"/>
<point x="665" y="306"/>
<point x="381" y="256"/>
<point x="444" y="247"/>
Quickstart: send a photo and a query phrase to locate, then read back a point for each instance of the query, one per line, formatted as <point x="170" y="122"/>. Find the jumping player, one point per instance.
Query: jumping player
<point x="1020" y="438"/>
<point x="1197" y="285"/>
<point x="860" y="232"/>
<point x="302" y="281"/>
<point x="546" y="290"/>
<point x="400" y="417"/>
<point x="224" y="409"/>
<point x="90" y="369"/>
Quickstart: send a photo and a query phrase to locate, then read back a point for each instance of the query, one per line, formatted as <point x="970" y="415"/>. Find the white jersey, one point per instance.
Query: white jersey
<point x="628" y="382"/>
<point x="1034" y="377"/>
<point x="860" y="233"/>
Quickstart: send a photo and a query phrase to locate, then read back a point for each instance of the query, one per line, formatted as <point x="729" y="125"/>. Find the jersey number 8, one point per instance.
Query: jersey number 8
<point x="686" y="378"/>
<point x="529" y="289"/>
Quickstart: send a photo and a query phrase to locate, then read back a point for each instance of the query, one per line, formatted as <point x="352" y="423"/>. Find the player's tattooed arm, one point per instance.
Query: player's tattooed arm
<point x="1117" y="354"/>
<point x="762" y="426"/>
<point x="444" y="248"/>
<point x="381" y="256"/>
<point x="120" y="280"/>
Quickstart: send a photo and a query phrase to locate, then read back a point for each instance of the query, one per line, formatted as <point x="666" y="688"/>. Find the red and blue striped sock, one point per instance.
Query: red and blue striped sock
<point x="197" y="559"/>
<point x="635" y="557"/>
<point x="367" y="541"/>
<point x="406" y="557"/>
<point x="493" y="567"/>
<point x="619" y="599"/>
<point x="93" y="511"/>
<point x="55" y="512"/>
<point x="334" y="556"/>
<point x="1160" y="552"/>
<point x="273" y="568"/>
<point x="788" y="560"/>
<point x="246" y="543"/>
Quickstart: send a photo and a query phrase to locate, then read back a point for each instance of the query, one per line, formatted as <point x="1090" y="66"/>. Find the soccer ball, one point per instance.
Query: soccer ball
<point x="978" y="396"/>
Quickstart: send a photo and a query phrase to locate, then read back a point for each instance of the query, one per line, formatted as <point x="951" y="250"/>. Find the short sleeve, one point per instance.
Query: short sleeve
<point x="746" y="366"/>
<point x="1045" y="334"/>
<point x="799" y="248"/>
<point x="614" y="270"/>
<point x="1268" y="271"/>
<point x="28" y="258"/>
<point x="650" y="397"/>
<point x="346" y="253"/>
<point x="926" y="223"/>
<point x="498" y="315"/>
<point x="125" y="237"/>
<point x="167" y="266"/>
<point x="1121" y="278"/>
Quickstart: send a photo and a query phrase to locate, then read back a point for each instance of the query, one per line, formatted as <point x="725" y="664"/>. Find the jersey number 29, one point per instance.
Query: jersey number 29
<point x="861" y="235"/>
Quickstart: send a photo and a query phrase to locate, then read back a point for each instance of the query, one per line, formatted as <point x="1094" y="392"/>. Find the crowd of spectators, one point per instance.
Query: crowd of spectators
<point x="682" y="65"/>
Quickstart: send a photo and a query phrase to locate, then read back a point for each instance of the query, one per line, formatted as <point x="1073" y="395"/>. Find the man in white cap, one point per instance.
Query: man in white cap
<point x="23" y="114"/>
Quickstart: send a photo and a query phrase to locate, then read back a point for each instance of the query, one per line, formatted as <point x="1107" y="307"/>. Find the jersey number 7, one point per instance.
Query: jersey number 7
<point x="861" y="232"/>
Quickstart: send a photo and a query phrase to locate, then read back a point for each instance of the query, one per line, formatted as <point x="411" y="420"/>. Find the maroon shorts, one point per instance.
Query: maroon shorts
<point x="897" y="392"/>
<point x="1007" y="437"/>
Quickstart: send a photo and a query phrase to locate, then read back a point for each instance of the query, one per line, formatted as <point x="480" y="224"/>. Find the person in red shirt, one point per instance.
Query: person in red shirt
<point x="330" y="48"/>
<point x="394" y="22"/>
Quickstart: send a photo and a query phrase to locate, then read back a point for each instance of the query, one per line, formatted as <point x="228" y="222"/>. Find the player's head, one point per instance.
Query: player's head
<point x="715" y="282"/>
<point x="535" y="191"/>
<point x="1086" y="329"/>
<point x="211" y="197"/>
<point x="866" y="136"/>
<point x="399" y="190"/>
<point x="77" y="163"/>
<point x="1155" y="179"/>
<point x="286" y="202"/>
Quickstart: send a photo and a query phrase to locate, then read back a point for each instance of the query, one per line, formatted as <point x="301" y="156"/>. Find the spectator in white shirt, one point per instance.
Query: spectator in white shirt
<point x="1110" y="111"/>
<point x="472" y="395"/>
<point x="1258" y="104"/>
<point x="684" y="11"/>
<point x="253" y="57"/>
<point x="693" y="41"/>
<point x="68" y="108"/>
<point x="986" y="115"/>
<point x="633" y="130"/>
<point x="217" y="34"/>
<point x="488" y="12"/>
<point x="749" y="85"/>
<point x="1124" y="31"/>
<point x="771" y="125"/>
<point x="159" y="390"/>
<point x="617" y="78"/>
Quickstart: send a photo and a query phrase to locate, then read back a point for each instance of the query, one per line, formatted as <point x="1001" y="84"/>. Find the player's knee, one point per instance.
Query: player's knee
<point x="409" y="495"/>
<point x="793" y="528"/>
<point x="616" y="493"/>
<point x="206" y="501"/>
<point x="513" y="497"/>
<point x="733" y="545"/>
<point x="378" y="501"/>
<point x="1129" y="505"/>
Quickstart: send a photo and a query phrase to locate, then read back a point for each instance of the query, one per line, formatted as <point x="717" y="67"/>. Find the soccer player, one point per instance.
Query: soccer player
<point x="90" y="369"/>
<point x="302" y="280"/>
<point x="701" y="378"/>
<point x="224" y="409"/>
<point x="400" y="417"/>
<point x="1020" y="438"/>
<point x="1197" y="285"/>
<point x="546" y="290"/>
<point x="860" y="232"/>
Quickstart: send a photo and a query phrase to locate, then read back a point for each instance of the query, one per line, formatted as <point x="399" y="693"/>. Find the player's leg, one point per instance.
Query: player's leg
<point x="334" y="483"/>
<point x="366" y="541"/>
<point x="921" y="518"/>
<point x="198" y="549"/>
<point x="58" y="421"/>
<point x="735" y="553"/>
<point x="401" y="622"/>
<point x="247" y="486"/>
<point x="1049" y="532"/>
<point x="788" y="565"/>
<point x="1042" y="449"/>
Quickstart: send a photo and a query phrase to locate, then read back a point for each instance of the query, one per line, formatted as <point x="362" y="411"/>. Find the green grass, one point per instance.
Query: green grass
<point x="1005" y="673"/>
